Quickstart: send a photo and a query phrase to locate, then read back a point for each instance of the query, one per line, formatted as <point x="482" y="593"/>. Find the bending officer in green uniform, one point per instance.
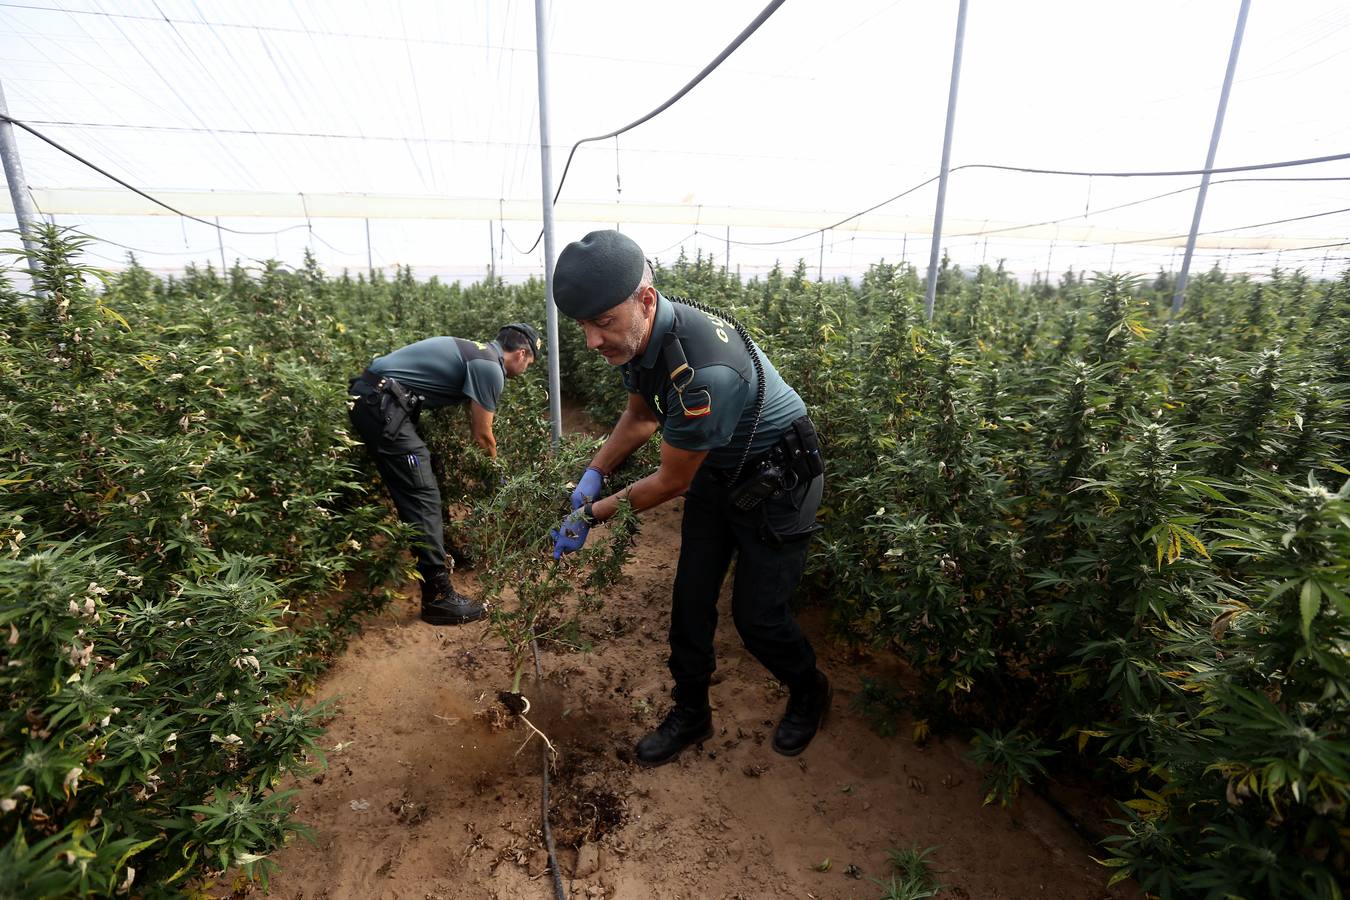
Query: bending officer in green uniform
<point x="737" y="443"/>
<point x="385" y="403"/>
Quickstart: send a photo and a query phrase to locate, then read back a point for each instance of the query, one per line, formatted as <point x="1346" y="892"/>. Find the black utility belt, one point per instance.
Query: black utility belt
<point x="795" y="459"/>
<point x="387" y="385"/>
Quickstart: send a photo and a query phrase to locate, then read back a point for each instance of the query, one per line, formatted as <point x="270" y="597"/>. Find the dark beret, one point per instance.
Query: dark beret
<point x="596" y="273"/>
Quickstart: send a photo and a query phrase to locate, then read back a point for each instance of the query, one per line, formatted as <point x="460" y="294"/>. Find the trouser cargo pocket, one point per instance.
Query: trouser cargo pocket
<point x="790" y="516"/>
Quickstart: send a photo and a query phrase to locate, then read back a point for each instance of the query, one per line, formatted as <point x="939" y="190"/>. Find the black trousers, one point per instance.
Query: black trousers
<point x="769" y="543"/>
<point x="405" y="467"/>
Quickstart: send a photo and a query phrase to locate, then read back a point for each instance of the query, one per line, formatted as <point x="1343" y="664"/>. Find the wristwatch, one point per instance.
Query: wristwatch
<point x="587" y="513"/>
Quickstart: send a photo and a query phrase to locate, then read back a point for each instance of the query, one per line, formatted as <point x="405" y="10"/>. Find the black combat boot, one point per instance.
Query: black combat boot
<point x="807" y="708"/>
<point x="431" y="580"/>
<point x="688" y="722"/>
<point x="443" y="605"/>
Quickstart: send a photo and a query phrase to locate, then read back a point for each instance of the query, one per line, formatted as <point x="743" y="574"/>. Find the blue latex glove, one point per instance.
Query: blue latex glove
<point x="588" y="488"/>
<point x="570" y="536"/>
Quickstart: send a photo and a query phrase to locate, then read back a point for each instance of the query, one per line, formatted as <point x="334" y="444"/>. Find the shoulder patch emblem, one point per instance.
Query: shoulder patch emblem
<point x="695" y="402"/>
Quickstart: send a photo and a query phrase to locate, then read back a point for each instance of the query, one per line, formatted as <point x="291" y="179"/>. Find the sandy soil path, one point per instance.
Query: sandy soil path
<point x="423" y="798"/>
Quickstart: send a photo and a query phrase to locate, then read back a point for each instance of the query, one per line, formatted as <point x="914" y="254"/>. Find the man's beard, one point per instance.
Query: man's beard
<point x="627" y="347"/>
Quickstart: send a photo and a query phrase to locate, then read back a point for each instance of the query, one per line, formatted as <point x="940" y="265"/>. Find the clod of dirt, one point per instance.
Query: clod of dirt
<point x="514" y="702"/>
<point x="588" y="861"/>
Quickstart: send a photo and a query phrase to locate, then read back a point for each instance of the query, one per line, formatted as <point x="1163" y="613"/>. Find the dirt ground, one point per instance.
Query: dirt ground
<point x="422" y="798"/>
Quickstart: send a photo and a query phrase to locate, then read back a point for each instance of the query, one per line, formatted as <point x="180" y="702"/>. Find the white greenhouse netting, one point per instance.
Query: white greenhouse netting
<point x="310" y="118"/>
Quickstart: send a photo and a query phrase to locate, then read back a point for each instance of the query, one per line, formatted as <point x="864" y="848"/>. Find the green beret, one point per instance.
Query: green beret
<point x="596" y="273"/>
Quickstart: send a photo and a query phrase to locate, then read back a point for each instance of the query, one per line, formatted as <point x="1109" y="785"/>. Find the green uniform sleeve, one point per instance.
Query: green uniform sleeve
<point x="483" y="382"/>
<point x="704" y="415"/>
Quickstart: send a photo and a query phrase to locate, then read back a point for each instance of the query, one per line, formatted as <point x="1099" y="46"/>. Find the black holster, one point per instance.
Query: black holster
<point x="396" y="404"/>
<point x="801" y="449"/>
<point x="795" y="459"/>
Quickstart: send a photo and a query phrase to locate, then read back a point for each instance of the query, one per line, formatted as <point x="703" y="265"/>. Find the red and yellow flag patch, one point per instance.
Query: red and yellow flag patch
<point x="695" y="412"/>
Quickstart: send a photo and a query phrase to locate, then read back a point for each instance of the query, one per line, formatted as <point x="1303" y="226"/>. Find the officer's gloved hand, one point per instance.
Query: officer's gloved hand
<point x="570" y="536"/>
<point x="588" y="488"/>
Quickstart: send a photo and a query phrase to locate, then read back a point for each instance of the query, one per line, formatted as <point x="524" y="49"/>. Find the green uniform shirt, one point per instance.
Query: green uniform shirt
<point x="713" y="408"/>
<point x="447" y="370"/>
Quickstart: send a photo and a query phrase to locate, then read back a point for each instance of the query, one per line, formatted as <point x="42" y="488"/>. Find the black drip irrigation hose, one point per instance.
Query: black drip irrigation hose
<point x="707" y="70"/>
<point x="131" y="187"/>
<point x="559" y="891"/>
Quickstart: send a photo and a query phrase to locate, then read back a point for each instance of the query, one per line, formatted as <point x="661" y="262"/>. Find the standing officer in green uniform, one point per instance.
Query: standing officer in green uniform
<point x="736" y="441"/>
<point x="385" y="404"/>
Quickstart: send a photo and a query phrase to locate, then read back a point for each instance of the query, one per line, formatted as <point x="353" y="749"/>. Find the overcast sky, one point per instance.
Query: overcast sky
<point x="830" y="108"/>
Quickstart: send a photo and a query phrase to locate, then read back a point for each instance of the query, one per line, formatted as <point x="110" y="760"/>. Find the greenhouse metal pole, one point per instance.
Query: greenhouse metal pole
<point x="1179" y="296"/>
<point x="220" y="241"/>
<point x="546" y="174"/>
<point x="18" y="187"/>
<point x="931" y="294"/>
<point x="370" y="258"/>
